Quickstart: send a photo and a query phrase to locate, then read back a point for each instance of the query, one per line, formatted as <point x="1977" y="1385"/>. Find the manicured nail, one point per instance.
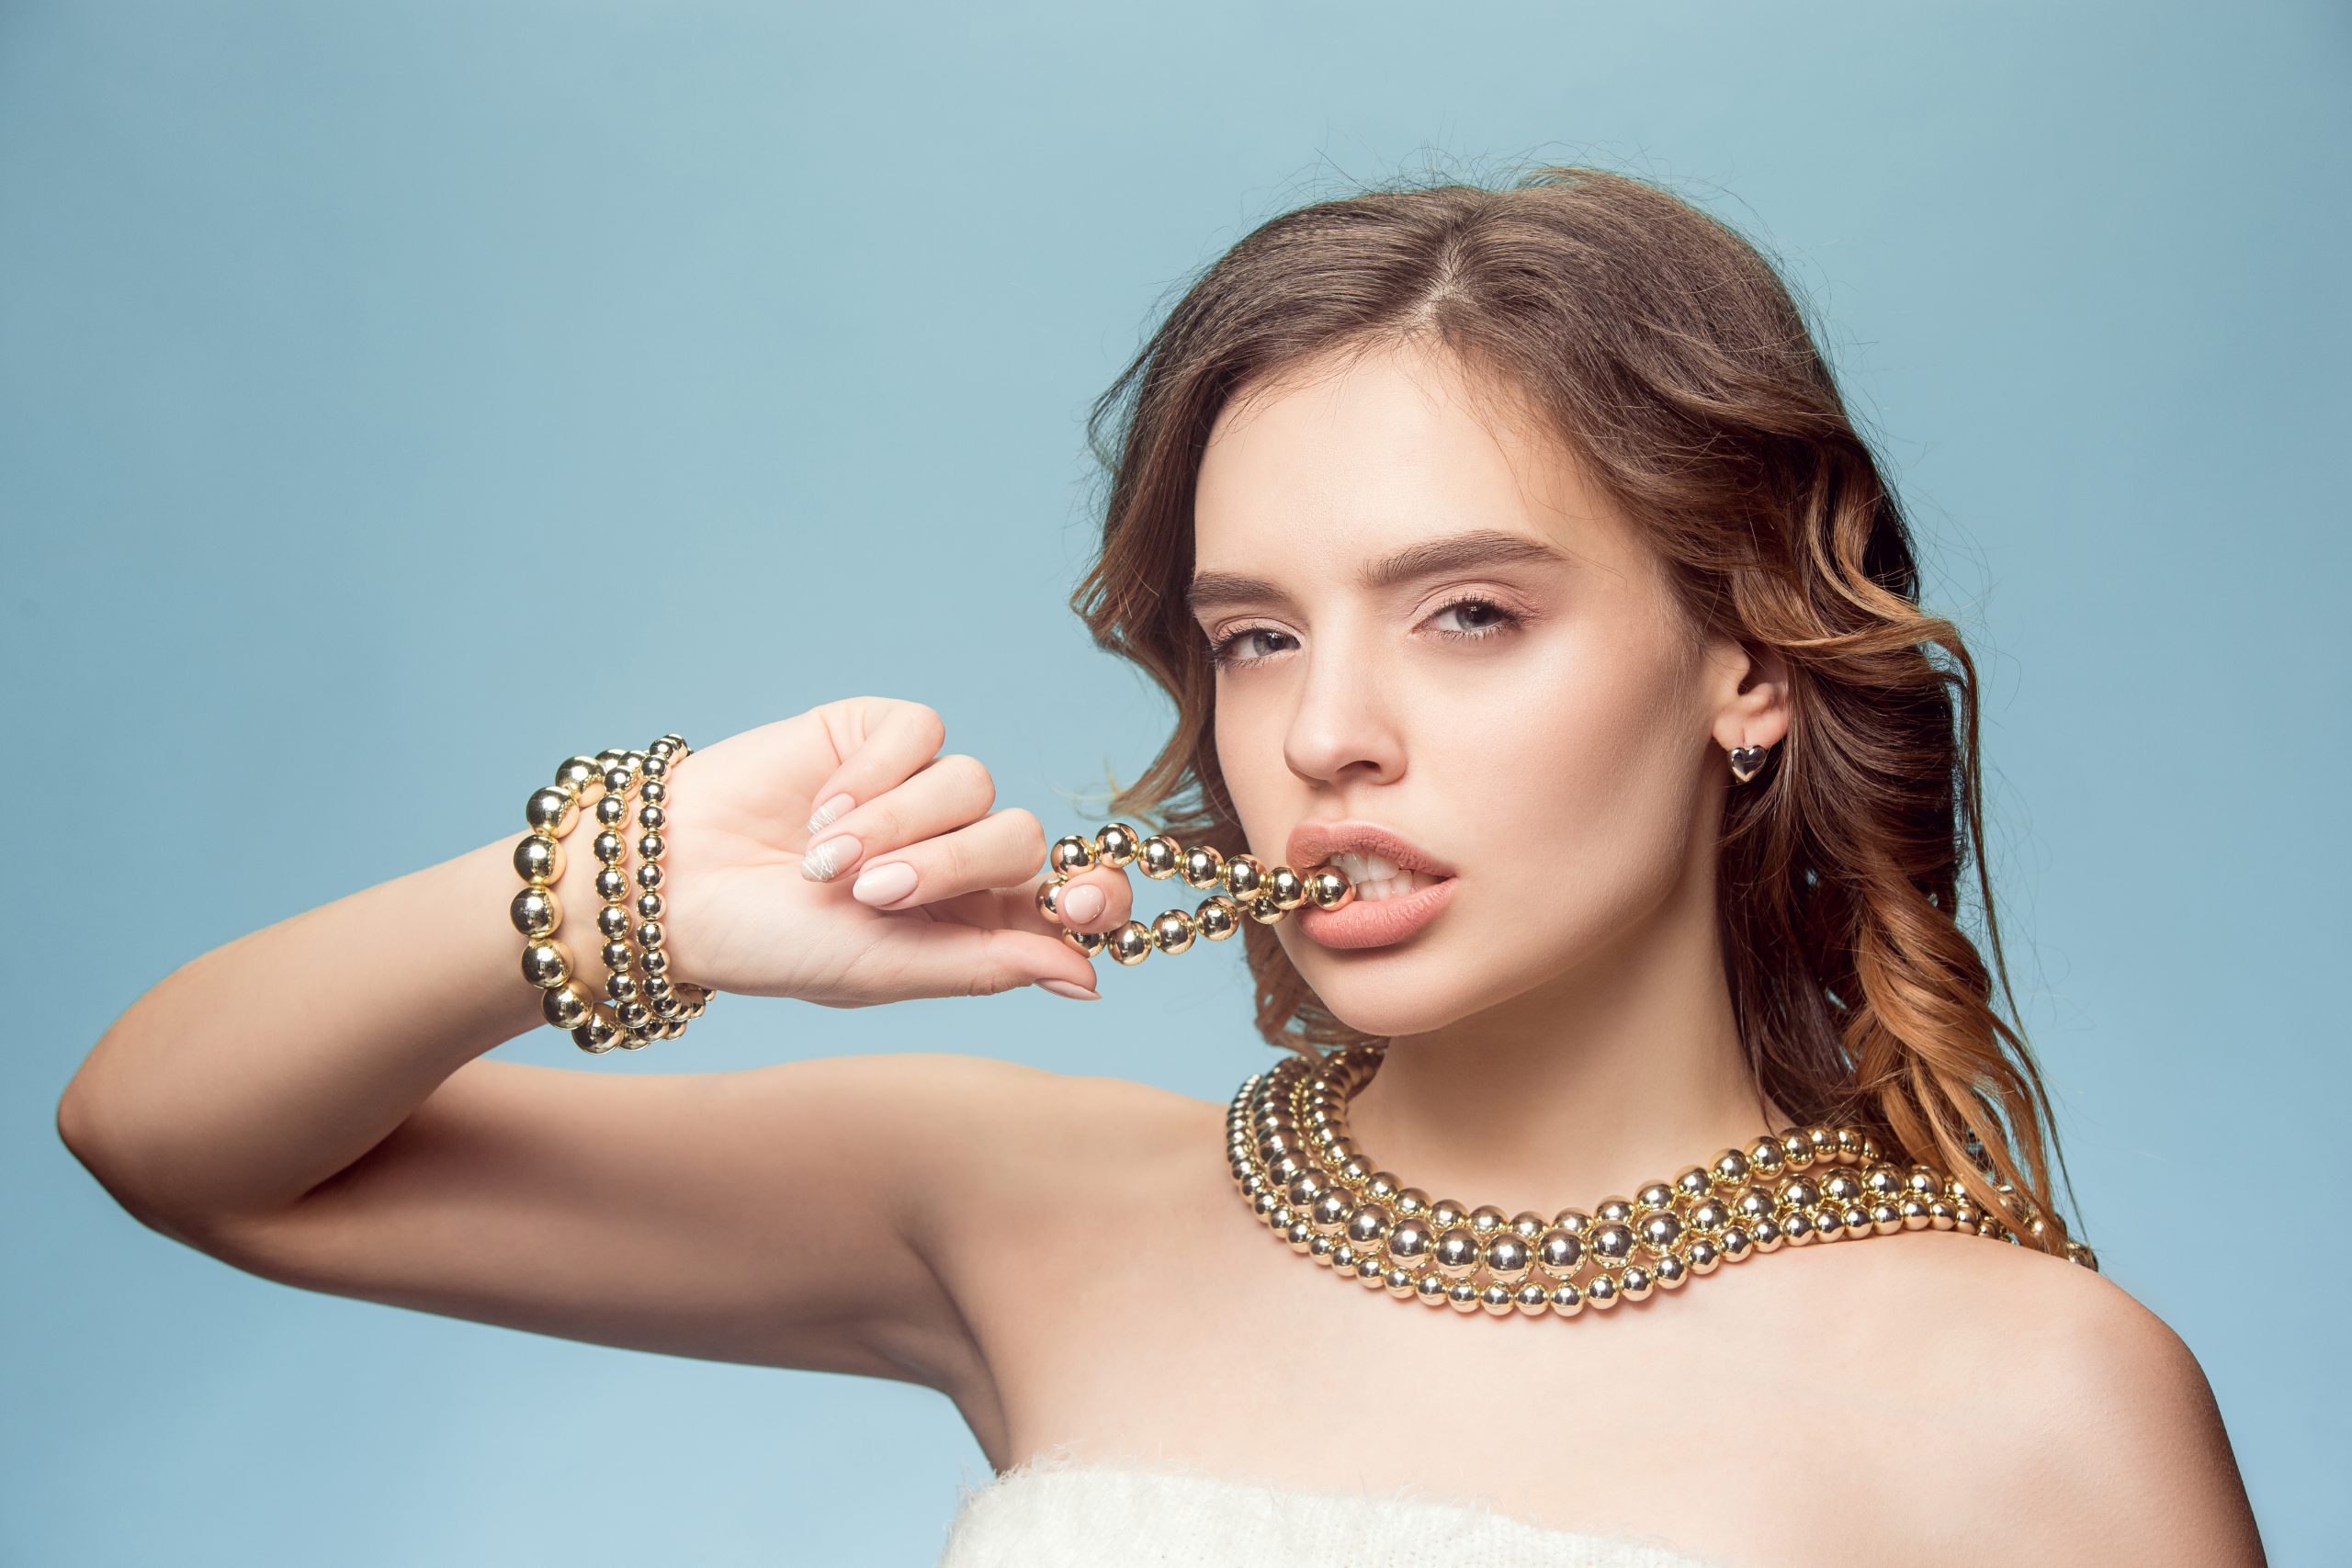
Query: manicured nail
<point x="823" y="861"/>
<point x="1082" y="903"/>
<point x="883" y="884"/>
<point x="1076" y="993"/>
<point x="828" y="812"/>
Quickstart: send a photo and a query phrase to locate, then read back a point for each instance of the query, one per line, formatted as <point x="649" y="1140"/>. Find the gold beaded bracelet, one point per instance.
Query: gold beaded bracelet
<point x="1250" y="890"/>
<point x="645" y="1005"/>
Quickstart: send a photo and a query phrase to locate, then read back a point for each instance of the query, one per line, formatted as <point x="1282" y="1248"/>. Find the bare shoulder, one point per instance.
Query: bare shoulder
<point x="2101" y="1440"/>
<point x="1001" y="1133"/>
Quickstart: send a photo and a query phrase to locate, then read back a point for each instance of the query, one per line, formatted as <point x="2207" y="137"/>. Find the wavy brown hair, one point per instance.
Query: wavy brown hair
<point x="1670" y="357"/>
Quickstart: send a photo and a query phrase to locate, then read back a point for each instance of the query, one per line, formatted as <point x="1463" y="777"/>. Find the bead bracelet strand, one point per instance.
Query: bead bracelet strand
<point x="1249" y="891"/>
<point x="641" y="1003"/>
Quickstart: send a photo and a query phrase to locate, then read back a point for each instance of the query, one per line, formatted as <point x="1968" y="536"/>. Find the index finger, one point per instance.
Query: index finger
<point x="882" y="742"/>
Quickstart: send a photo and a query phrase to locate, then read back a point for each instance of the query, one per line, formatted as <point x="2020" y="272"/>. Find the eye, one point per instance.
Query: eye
<point x="1223" y="654"/>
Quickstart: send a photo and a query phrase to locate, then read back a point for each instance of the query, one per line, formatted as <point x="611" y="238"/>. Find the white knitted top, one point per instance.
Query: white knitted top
<point x="1051" y="1512"/>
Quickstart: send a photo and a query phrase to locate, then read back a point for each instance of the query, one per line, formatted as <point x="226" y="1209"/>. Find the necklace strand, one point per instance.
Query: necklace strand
<point x="1303" y="1176"/>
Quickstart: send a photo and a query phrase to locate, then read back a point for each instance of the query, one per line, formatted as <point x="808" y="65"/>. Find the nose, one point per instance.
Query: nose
<point x="1344" y="727"/>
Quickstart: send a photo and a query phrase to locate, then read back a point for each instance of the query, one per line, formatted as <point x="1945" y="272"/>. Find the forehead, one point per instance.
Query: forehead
<point x="1316" y="473"/>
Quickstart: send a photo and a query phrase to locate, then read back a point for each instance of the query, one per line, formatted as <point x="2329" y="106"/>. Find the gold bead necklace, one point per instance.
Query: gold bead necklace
<point x="1304" y="1175"/>
<point x="1251" y="891"/>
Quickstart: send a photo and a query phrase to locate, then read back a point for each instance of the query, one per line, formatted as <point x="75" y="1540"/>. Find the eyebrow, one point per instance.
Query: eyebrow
<point x="1480" y="547"/>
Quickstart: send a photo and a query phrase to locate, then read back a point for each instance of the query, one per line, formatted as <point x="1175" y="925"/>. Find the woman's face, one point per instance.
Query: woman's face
<point x="1542" y="725"/>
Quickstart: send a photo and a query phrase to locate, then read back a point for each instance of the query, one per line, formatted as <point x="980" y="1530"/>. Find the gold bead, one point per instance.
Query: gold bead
<point x="1244" y="877"/>
<point x="1616" y="1209"/>
<point x="1172" y="932"/>
<point x="546" y="964"/>
<point x="1446" y="1213"/>
<point x="1457" y="1251"/>
<point x="1262" y="908"/>
<point x="538" y="859"/>
<point x="574" y="774"/>
<point x="1485" y="1220"/>
<point x="1130" y="943"/>
<point x="1115" y="844"/>
<point x="1767" y="1158"/>
<point x="1286" y="887"/>
<point x="536" y="911"/>
<point x="1160" y="857"/>
<point x="566" y="1005"/>
<point x="1202" y="867"/>
<point x="1559" y="1251"/>
<point x="1529" y="1226"/>
<point x="1087" y="943"/>
<point x="1070" y="854"/>
<point x="596" y="1033"/>
<point x="1329" y="889"/>
<point x="551" y="810"/>
<point x="1409" y="1240"/>
<point x="1653" y="1195"/>
<point x="1507" y="1256"/>
<point x="1217" y="918"/>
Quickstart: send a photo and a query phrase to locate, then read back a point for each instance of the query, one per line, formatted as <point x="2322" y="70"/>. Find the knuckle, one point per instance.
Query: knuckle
<point x="972" y="779"/>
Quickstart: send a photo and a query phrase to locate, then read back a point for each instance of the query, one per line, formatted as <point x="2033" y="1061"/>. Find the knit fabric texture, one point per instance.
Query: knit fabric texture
<point x="1050" y="1512"/>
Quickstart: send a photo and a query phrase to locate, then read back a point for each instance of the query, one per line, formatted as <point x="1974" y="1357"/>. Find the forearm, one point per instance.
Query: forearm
<point x="254" y="1073"/>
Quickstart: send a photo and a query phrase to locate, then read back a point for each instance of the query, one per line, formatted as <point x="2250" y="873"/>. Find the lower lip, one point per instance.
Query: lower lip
<point x="1375" y="922"/>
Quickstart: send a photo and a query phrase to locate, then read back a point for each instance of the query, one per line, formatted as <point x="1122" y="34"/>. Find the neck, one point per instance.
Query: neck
<point x="1625" y="1069"/>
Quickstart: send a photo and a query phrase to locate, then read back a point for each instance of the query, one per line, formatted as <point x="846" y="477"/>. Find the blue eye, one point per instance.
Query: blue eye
<point x="1222" y="656"/>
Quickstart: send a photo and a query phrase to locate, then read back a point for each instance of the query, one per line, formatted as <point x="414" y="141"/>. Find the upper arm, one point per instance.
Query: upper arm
<point x="760" y="1217"/>
<point x="2131" y="1456"/>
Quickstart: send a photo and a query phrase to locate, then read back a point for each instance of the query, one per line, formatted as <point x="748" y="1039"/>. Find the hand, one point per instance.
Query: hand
<point x="744" y="916"/>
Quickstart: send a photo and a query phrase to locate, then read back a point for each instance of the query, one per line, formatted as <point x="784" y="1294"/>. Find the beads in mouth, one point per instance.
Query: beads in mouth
<point x="1242" y="887"/>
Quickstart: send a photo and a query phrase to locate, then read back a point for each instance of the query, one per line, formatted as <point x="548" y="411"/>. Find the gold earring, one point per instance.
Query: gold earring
<point x="1747" y="761"/>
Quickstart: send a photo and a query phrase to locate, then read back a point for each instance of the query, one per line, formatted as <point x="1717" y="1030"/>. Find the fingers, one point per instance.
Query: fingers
<point x="1002" y="848"/>
<point x="881" y="742"/>
<point x="947" y="794"/>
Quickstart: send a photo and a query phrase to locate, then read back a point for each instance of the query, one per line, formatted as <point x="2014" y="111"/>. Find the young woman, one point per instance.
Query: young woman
<point x="1511" y="553"/>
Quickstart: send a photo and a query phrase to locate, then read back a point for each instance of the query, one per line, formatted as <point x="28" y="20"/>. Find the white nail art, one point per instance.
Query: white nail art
<point x="825" y="815"/>
<point x="824" y="861"/>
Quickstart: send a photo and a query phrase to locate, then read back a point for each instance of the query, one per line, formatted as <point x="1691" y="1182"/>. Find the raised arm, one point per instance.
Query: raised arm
<point x="308" y="1102"/>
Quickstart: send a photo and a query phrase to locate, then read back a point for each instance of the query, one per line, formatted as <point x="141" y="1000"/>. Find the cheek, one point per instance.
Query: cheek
<point x="1584" y="786"/>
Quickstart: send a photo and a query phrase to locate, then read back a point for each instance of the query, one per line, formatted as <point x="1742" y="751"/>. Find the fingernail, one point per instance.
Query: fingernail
<point x="1076" y="993"/>
<point x="1082" y="903"/>
<point x="883" y="884"/>
<point x="823" y="861"/>
<point x="828" y="812"/>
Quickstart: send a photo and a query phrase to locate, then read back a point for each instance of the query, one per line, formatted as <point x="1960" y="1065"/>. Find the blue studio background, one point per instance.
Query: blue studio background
<point x="394" y="398"/>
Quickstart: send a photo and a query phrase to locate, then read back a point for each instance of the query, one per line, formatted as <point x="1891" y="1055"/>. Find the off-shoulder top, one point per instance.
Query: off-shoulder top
<point x="1049" y="1512"/>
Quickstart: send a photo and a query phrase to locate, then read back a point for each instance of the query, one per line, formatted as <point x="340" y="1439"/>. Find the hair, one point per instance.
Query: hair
<point x="1671" y="358"/>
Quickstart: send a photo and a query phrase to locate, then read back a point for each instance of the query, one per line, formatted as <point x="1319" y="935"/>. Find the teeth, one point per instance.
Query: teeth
<point x="1375" y="878"/>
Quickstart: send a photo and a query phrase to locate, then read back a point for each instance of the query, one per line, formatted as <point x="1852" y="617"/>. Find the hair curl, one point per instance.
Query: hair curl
<point x="1669" y="356"/>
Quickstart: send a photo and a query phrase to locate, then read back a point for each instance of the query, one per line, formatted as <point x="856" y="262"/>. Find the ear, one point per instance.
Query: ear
<point x="1749" y="693"/>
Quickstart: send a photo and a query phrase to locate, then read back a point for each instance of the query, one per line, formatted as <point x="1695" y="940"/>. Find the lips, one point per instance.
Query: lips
<point x="1363" y="922"/>
<point x="1312" y="843"/>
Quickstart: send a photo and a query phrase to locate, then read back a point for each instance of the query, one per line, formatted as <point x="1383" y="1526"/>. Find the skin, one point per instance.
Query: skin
<point x="1063" y="1256"/>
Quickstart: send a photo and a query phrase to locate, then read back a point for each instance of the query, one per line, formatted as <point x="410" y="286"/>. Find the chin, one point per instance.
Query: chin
<point x="1396" y="993"/>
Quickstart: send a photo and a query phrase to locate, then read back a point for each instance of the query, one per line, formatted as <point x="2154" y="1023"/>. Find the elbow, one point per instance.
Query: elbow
<point x="81" y="1128"/>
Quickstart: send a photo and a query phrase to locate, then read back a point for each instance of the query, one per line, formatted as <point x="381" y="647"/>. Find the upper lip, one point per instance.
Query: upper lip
<point x="1312" y="843"/>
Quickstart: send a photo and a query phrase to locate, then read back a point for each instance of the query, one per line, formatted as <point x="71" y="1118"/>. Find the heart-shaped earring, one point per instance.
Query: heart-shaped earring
<point x="1747" y="761"/>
